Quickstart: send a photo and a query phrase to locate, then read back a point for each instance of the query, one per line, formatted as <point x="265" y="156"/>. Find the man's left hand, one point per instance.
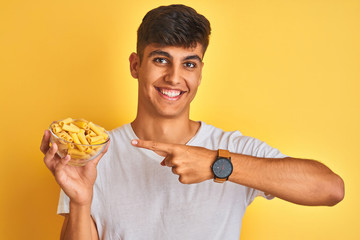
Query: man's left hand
<point x="192" y="164"/>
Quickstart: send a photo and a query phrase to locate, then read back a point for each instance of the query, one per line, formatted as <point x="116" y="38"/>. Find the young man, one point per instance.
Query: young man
<point x="165" y="176"/>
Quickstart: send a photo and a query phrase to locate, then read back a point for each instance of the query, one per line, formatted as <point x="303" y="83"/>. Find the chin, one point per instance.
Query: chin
<point x="169" y="115"/>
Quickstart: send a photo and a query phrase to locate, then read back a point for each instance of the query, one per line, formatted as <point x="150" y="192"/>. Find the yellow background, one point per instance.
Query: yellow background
<point x="286" y="72"/>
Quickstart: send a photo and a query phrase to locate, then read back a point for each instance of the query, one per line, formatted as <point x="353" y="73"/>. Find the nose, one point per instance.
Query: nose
<point x="173" y="75"/>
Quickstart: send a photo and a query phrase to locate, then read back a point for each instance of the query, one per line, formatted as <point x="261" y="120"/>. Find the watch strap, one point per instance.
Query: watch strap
<point x="220" y="180"/>
<point x="222" y="154"/>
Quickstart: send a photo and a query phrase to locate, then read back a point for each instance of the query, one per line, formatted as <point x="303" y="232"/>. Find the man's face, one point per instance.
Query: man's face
<point x="168" y="79"/>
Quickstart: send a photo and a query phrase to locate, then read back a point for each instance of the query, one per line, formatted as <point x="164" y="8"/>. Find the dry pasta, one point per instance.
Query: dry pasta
<point x="65" y="121"/>
<point x="71" y="128"/>
<point x="82" y="125"/>
<point x="80" y="136"/>
<point x="56" y="128"/>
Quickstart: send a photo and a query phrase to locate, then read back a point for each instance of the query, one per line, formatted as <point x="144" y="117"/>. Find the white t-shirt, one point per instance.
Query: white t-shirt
<point x="135" y="198"/>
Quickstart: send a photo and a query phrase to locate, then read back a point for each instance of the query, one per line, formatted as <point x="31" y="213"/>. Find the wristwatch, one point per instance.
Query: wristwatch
<point x="222" y="166"/>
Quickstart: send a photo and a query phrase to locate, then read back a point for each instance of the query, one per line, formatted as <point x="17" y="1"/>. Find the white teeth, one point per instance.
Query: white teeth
<point x="170" y="93"/>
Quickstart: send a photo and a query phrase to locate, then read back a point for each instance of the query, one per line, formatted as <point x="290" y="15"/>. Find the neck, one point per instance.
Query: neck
<point x="166" y="130"/>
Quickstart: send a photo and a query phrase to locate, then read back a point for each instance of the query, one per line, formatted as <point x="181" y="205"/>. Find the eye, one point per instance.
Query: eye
<point x="190" y="64"/>
<point x="160" y="60"/>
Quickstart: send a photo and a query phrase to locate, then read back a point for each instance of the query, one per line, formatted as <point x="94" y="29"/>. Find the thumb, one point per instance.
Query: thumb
<point x="97" y="159"/>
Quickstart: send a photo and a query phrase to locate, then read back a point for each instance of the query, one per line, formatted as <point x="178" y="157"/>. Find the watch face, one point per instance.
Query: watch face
<point x="222" y="168"/>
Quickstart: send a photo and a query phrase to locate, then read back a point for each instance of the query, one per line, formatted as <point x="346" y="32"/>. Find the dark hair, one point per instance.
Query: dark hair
<point x="174" y="25"/>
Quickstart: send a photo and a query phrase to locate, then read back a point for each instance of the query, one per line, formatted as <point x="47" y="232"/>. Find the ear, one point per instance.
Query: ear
<point x="134" y="60"/>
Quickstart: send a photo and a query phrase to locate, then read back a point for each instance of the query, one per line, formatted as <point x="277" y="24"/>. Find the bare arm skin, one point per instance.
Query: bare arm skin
<point x="69" y="227"/>
<point x="77" y="183"/>
<point x="300" y="181"/>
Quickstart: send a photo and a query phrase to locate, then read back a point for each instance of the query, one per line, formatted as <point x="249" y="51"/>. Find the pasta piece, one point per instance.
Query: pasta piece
<point x="92" y="134"/>
<point x="65" y="135"/>
<point x="56" y="128"/>
<point x="65" y="121"/>
<point x="82" y="124"/>
<point x="96" y="139"/>
<point x="71" y="128"/>
<point x="76" y="152"/>
<point x="82" y="137"/>
<point x="105" y="135"/>
<point x="77" y="141"/>
<point x="90" y="151"/>
<point x="95" y="128"/>
<point x="60" y="135"/>
<point x="98" y="142"/>
<point x="103" y="132"/>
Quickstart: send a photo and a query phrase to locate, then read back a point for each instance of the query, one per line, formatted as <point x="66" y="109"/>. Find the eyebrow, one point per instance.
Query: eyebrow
<point x="195" y="57"/>
<point x="159" y="52"/>
<point x="166" y="54"/>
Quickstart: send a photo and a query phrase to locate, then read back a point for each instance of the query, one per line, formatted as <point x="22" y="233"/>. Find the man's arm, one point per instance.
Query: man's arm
<point x="77" y="183"/>
<point x="79" y="220"/>
<point x="300" y="181"/>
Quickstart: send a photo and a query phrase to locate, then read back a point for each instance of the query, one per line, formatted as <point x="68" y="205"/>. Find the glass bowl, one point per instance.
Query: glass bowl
<point x="80" y="153"/>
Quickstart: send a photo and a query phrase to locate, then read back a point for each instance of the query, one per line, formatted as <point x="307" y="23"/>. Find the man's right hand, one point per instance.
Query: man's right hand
<point x="76" y="182"/>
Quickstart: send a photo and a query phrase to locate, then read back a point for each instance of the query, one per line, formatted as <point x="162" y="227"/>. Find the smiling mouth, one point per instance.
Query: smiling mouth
<point x="170" y="93"/>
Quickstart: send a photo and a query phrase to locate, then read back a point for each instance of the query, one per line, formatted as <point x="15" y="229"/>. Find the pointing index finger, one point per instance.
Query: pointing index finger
<point x="153" y="145"/>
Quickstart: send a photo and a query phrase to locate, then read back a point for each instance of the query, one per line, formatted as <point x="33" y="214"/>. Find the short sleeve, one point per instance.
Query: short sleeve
<point x="253" y="193"/>
<point x="253" y="147"/>
<point x="63" y="206"/>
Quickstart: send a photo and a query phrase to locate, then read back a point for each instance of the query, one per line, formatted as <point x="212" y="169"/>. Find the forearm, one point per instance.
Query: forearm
<point x="79" y="224"/>
<point x="300" y="181"/>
